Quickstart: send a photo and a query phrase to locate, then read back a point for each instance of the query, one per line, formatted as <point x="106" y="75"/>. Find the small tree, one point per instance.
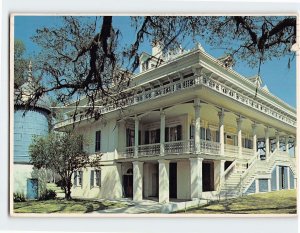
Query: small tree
<point x="62" y="153"/>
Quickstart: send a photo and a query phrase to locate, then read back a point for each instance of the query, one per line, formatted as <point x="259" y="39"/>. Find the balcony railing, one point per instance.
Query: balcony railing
<point x="149" y="149"/>
<point x="247" y="153"/>
<point x="231" y="150"/>
<point x="174" y="147"/>
<point x="186" y="83"/>
<point x="177" y="147"/>
<point x="209" y="147"/>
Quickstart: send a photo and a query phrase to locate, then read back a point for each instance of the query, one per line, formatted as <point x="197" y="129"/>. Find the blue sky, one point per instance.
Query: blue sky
<point x="280" y="80"/>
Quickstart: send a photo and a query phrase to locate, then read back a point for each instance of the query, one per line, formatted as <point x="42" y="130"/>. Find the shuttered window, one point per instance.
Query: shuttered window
<point x="78" y="178"/>
<point x="98" y="141"/>
<point x="95" y="178"/>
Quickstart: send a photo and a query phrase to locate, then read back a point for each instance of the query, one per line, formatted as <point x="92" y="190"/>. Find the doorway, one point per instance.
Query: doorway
<point x="207" y="176"/>
<point x="173" y="180"/>
<point x="128" y="185"/>
<point x="32" y="189"/>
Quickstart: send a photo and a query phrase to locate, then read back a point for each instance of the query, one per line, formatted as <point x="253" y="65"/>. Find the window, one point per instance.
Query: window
<point x="95" y="178"/>
<point x="78" y="178"/>
<point x="174" y="133"/>
<point x="154" y="136"/>
<point x="129" y="137"/>
<point x="98" y="141"/>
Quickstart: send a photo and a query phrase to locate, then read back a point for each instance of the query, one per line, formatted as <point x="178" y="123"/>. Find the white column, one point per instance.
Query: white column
<point x="137" y="181"/>
<point x="221" y="130"/>
<point x="287" y="145"/>
<point x="239" y="133"/>
<point x="136" y="137"/>
<point x="119" y="181"/>
<point x="219" y="166"/>
<point x="254" y="127"/>
<point x="196" y="177"/>
<point x="277" y="178"/>
<point x="269" y="185"/>
<point x="162" y="132"/>
<point x="277" y="141"/>
<point x="222" y="169"/>
<point x="163" y="167"/>
<point x="121" y="136"/>
<point x="197" y="126"/>
<point x="267" y="143"/>
<point x="257" y="185"/>
<point x="288" y="178"/>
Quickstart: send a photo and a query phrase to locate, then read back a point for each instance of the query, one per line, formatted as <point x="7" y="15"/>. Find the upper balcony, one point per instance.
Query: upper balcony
<point x="186" y="147"/>
<point x="184" y="83"/>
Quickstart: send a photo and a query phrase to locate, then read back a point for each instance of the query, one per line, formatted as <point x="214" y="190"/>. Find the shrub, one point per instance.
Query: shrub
<point x="19" y="197"/>
<point x="48" y="194"/>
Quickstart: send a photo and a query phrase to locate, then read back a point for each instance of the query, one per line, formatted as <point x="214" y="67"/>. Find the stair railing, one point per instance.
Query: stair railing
<point x="226" y="172"/>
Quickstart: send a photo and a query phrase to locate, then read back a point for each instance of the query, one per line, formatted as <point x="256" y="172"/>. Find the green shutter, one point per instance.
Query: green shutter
<point x="179" y="132"/>
<point x="166" y="134"/>
<point x="92" y="178"/>
<point x="147" y="137"/>
<point x="75" y="178"/>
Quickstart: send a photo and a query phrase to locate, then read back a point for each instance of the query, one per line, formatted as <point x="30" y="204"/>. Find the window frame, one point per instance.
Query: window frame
<point x="98" y="141"/>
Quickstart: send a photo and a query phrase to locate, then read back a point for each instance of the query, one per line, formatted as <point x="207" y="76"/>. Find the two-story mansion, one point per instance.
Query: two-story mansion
<point x="194" y="129"/>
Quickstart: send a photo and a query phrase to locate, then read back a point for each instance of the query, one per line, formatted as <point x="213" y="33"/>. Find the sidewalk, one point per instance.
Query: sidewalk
<point x="145" y="206"/>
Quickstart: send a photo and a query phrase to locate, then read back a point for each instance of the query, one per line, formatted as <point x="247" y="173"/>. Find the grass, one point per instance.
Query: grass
<point x="279" y="202"/>
<point x="64" y="206"/>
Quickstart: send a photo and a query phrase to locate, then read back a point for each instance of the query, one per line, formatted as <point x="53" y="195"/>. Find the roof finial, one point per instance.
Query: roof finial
<point x="30" y="79"/>
<point x="199" y="46"/>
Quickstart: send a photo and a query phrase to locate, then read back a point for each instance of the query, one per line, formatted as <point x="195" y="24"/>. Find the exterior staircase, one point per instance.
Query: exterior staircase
<point x="238" y="177"/>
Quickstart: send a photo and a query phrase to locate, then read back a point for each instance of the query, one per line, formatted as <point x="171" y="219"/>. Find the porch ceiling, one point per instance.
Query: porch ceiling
<point x="209" y="113"/>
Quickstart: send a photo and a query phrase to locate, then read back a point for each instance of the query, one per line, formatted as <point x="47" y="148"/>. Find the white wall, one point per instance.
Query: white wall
<point x="111" y="184"/>
<point x="22" y="172"/>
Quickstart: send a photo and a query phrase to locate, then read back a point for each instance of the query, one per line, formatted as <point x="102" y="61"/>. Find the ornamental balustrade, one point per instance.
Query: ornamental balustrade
<point x="209" y="147"/>
<point x="234" y="94"/>
<point x="149" y="149"/>
<point x="177" y="147"/>
<point x="231" y="150"/>
<point x="185" y="83"/>
<point x="247" y="153"/>
<point x="174" y="147"/>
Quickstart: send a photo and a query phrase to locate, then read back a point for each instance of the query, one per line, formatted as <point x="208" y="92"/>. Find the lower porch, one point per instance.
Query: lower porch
<point x="172" y="180"/>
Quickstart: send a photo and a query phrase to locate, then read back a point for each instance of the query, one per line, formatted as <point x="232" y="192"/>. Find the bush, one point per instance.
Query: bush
<point x="19" y="197"/>
<point x="47" y="195"/>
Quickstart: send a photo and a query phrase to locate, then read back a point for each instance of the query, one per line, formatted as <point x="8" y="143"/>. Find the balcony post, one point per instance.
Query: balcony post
<point x="162" y="132"/>
<point x="239" y="133"/>
<point x="221" y="131"/>
<point x="267" y="143"/>
<point x="277" y="141"/>
<point x="287" y="145"/>
<point x="197" y="126"/>
<point x="254" y="127"/>
<point x="136" y="137"/>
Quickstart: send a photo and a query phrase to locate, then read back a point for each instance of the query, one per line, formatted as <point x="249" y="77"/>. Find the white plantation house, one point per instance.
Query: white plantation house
<point x="195" y="129"/>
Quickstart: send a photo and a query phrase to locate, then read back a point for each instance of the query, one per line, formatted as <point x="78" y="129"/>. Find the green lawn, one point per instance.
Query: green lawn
<point x="279" y="202"/>
<point x="64" y="206"/>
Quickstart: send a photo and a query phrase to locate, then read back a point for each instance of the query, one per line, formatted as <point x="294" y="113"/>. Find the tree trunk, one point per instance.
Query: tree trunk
<point x="68" y="189"/>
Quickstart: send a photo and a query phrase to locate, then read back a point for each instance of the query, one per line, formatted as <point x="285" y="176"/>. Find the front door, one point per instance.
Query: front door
<point x="128" y="185"/>
<point x="173" y="180"/>
<point x="207" y="177"/>
<point x="32" y="188"/>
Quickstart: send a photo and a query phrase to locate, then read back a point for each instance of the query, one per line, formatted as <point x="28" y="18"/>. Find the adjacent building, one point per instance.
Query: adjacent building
<point x="29" y="122"/>
<point x="194" y="129"/>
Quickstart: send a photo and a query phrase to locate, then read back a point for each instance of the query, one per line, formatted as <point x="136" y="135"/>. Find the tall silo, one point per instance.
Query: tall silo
<point x="30" y="122"/>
